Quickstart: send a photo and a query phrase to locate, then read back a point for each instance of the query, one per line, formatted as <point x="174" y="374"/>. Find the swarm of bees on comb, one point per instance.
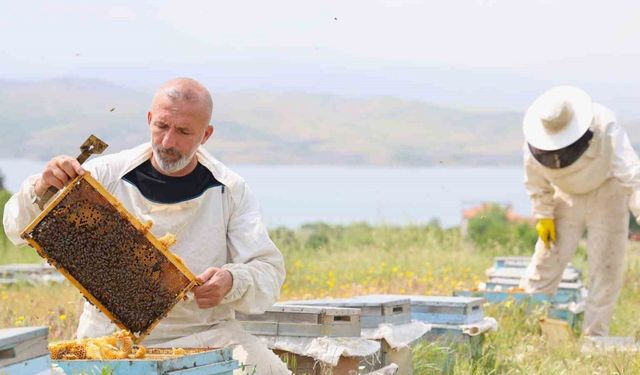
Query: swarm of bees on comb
<point x="109" y="255"/>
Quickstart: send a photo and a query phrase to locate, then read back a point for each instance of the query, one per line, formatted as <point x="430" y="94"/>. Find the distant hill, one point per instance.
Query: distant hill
<point x="39" y="120"/>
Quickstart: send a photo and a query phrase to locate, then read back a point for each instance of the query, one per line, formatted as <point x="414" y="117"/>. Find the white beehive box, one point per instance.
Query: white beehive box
<point x="374" y="309"/>
<point x="303" y="321"/>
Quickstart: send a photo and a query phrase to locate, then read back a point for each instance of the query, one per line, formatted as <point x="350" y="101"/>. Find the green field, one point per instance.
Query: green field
<point x="340" y="261"/>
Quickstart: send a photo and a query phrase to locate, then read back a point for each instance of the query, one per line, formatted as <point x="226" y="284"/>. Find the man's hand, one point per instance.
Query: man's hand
<point x="58" y="172"/>
<point x="216" y="283"/>
<point x="546" y="231"/>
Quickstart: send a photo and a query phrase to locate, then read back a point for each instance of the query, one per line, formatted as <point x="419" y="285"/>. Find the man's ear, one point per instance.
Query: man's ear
<point x="207" y="133"/>
<point x="149" y="118"/>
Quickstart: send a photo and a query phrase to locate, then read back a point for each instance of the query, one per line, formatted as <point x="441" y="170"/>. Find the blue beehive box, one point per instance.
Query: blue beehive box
<point x="566" y="292"/>
<point x="569" y="275"/>
<point x="511" y="261"/>
<point x="517" y="262"/>
<point x="556" y="310"/>
<point x="500" y="296"/>
<point x="160" y="361"/>
<point x="445" y="309"/>
<point x="24" y="350"/>
<point x="451" y="333"/>
<point x="573" y="319"/>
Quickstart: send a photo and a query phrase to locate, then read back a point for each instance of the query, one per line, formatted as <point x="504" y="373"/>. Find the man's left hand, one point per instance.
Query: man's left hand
<point x="216" y="283"/>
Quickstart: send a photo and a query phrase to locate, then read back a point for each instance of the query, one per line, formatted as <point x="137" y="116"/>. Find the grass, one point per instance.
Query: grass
<point x="339" y="261"/>
<point x="10" y="254"/>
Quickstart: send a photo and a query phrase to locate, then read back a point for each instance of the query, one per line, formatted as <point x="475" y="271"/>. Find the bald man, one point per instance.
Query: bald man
<point x="175" y="183"/>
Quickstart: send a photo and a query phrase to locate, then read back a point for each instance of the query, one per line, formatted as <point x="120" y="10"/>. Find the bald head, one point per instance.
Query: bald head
<point x="185" y="91"/>
<point x="180" y="122"/>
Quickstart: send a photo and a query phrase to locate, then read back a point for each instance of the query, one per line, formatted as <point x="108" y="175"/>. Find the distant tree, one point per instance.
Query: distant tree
<point x="1" y="181"/>
<point x="492" y="227"/>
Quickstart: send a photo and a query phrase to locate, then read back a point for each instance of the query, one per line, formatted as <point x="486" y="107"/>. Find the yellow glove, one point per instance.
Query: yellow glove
<point x="546" y="231"/>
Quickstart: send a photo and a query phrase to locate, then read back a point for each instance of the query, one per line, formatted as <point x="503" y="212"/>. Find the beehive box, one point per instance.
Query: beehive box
<point x="565" y="293"/>
<point x="557" y="304"/>
<point x="445" y="309"/>
<point x="569" y="275"/>
<point x="502" y="296"/>
<point x="374" y="309"/>
<point x="303" y="321"/>
<point x="382" y="308"/>
<point x="307" y="322"/>
<point x="451" y="333"/>
<point x="518" y="262"/>
<point x="24" y="350"/>
<point x="110" y="256"/>
<point x="563" y="313"/>
<point x="196" y="361"/>
<point x="453" y="336"/>
<point x="511" y="262"/>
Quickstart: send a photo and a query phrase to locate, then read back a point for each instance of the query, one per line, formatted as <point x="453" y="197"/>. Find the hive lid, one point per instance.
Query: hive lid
<point x="11" y="336"/>
<point x="417" y="300"/>
<point x="110" y="256"/>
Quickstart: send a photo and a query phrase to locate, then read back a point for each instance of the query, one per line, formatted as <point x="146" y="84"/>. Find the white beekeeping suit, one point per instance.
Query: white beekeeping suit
<point x="581" y="174"/>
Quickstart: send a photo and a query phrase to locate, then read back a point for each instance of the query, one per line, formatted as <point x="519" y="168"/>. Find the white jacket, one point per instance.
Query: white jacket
<point x="609" y="155"/>
<point x="221" y="228"/>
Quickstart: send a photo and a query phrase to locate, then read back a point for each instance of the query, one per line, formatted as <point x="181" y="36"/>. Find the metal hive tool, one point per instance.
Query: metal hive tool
<point x="110" y="256"/>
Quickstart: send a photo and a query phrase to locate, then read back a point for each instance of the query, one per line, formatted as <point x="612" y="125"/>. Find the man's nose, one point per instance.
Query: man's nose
<point x="169" y="139"/>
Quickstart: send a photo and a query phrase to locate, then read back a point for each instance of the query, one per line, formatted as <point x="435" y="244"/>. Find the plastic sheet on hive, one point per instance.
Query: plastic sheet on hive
<point x="109" y="255"/>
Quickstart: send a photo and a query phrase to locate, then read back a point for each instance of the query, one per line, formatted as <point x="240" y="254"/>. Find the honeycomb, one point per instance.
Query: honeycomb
<point x="113" y="259"/>
<point x="116" y="346"/>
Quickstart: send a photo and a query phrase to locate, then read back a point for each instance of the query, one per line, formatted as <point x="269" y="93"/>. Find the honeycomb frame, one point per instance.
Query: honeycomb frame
<point x="143" y="229"/>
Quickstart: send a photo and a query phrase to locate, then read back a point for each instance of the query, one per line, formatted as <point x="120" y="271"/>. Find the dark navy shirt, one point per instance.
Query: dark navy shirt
<point x="160" y="188"/>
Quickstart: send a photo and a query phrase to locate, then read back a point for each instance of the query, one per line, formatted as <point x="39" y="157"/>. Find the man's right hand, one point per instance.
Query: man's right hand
<point x="546" y="231"/>
<point x="58" y="172"/>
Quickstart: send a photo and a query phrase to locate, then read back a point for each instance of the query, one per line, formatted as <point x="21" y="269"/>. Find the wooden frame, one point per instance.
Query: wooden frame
<point x="143" y="228"/>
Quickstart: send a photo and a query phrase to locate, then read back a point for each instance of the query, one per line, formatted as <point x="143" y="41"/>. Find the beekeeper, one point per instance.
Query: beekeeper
<point x="581" y="174"/>
<point x="175" y="183"/>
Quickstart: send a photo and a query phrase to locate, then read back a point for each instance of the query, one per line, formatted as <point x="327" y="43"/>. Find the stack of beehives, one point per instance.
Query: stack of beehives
<point x="503" y="280"/>
<point x="313" y="339"/>
<point x="393" y="322"/>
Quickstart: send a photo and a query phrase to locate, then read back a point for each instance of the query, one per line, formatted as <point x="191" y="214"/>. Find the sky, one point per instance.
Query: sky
<point x="465" y="53"/>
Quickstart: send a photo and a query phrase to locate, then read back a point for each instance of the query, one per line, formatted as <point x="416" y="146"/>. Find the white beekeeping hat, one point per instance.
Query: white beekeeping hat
<point x="558" y="118"/>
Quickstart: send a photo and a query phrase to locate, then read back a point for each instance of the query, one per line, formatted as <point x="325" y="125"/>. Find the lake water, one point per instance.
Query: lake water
<point x="294" y="195"/>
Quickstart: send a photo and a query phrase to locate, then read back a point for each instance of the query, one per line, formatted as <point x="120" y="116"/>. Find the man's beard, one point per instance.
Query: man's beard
<point x="180" y="162"/>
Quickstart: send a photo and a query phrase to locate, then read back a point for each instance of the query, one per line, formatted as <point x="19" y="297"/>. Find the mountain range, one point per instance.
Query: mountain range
<point x="41" y="119"/>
